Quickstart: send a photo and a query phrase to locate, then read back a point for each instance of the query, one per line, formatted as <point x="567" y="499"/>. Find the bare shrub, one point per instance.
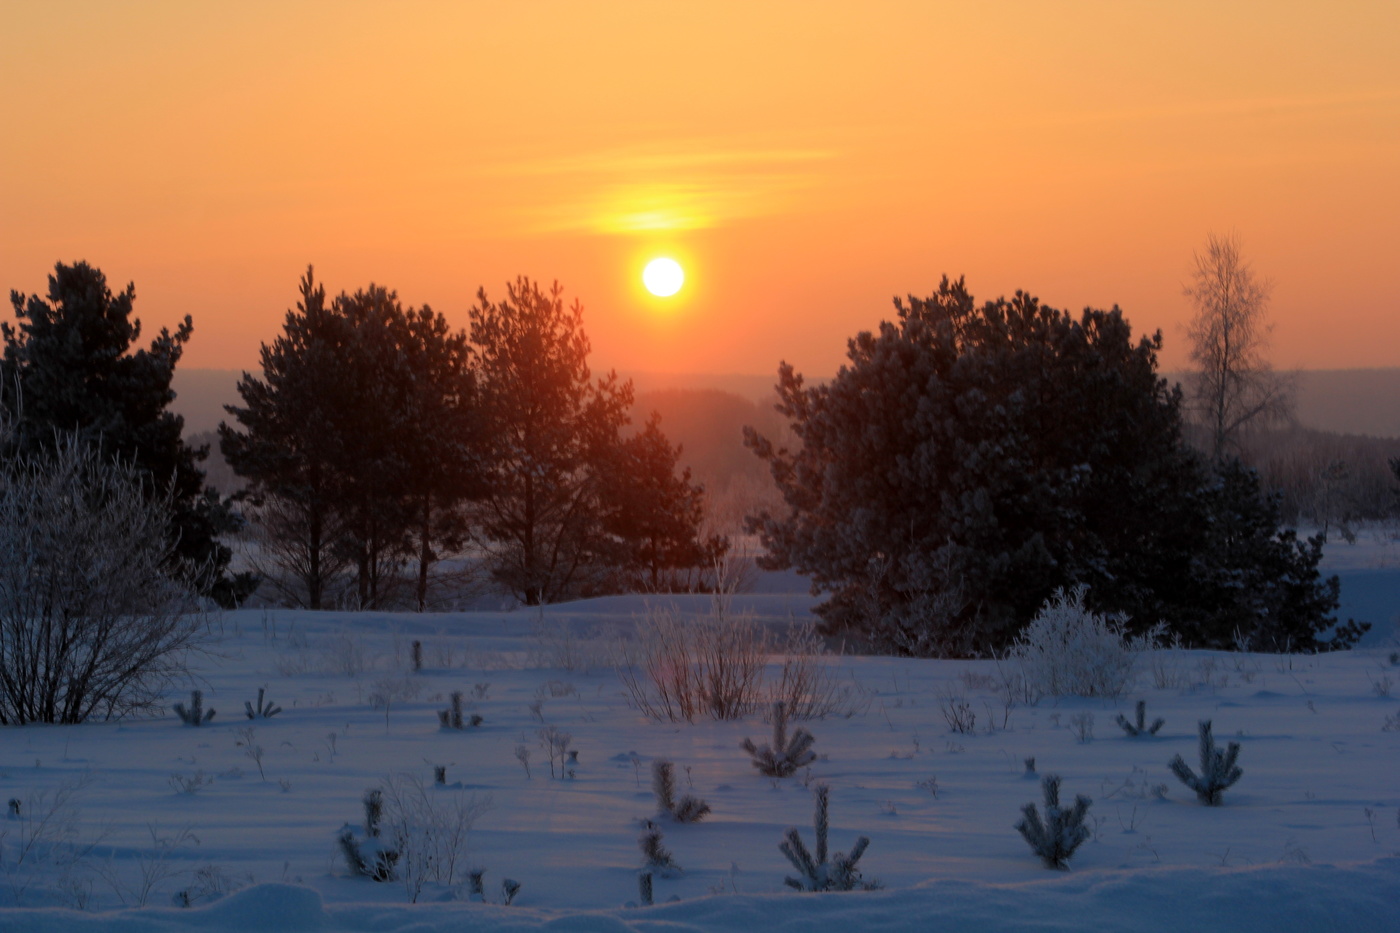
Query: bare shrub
<point x="957" y="712"/>
<point x="429" y="830"/>
<point x="345" y="654"/>
<point x="554" y="645"/>
<point x="808" y="685"/>
<point x="98" y="616"/>
<point x="679" y="670"/>
<point x="42" y="842"/>
<point x="1067" y="650"/>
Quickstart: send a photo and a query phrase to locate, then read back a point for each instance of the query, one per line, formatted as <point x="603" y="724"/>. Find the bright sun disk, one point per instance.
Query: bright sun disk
<point x="663" y="277"/>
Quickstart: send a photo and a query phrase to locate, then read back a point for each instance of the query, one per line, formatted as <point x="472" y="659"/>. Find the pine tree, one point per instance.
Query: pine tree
<point x="289" y="445"/>
<point x="656" y="514"/>
<point x="551" y="430"/>
<point x="969" y="461"/>
<point x="1218" y="769"/>
<point x="1062" y="831"/>
<point x="70" y="366"/>
<point x="359" y="441"/>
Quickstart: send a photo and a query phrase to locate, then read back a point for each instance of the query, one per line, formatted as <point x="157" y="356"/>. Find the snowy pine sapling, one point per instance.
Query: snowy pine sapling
<point x="785" y="755"/>
<point x="644" y="888"/>
<point x="663" y="783"/>
<point x="196" y="714"/>
<point x="1062" y="831"/>
<point x="1218" y="769"/>
<point x="476" y="881"/>
<point x="1140" y="727"/>
<point x="658" y="857"/>
<point x="452" y="717"/>
<point x="817" y="874"/>
<point x="261" y="711"/>
<point x="369" y="858"/>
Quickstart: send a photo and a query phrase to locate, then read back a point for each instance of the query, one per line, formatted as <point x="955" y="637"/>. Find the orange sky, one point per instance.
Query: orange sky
<point x="805" y="161"/>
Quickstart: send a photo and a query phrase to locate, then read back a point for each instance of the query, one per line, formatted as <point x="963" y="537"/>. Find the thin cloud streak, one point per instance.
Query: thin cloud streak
<point x="681" y="186"/>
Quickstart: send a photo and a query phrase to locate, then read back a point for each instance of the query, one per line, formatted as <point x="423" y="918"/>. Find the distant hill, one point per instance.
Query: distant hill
<point x="201" y="394"/>
<point x="1348" y="401"/>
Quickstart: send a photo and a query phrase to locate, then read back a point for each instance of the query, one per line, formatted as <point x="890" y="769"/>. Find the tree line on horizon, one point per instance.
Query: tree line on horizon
<point x="969" y="461"/>
<point x="376" y="436"/>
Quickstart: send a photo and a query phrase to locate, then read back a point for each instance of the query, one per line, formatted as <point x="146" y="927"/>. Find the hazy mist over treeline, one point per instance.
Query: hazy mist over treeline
<point x="1347" y="401"/>
<point x="1329" y="466"/>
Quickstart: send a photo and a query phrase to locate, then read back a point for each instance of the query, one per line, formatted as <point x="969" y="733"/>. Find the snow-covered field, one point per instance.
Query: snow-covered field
<point x="1309" y="839"/>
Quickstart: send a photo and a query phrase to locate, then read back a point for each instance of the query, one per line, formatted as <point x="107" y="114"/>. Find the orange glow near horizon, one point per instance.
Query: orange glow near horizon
<point x="802" y="162"/>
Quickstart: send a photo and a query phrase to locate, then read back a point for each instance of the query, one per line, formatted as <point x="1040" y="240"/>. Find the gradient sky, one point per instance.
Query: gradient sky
<point x="805" y="162"/>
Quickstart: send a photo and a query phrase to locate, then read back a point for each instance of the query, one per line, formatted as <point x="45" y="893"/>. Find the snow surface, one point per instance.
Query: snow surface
<point x="1309" y="839"/>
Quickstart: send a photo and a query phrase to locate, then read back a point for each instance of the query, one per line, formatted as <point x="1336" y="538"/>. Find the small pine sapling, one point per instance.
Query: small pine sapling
<point x="453" y="717"/>
<point x="818" y="874"/>
<point x="644" y="888"/>
<point x="369" y="858"/>
<point x="658" y="857"/>
<point x="1140" y="727"/>
<point x="195" y="715"/>
<point x="1062" y="831"/>
<point x="1030" y="768"/>
<point x="663" y="783"/>
<point x="261" y="711"/>
<point x="1218" y="769"/>
<point x="785" y="755"/>
<point x="509" y="888"/>
<point x="417" y="656"/>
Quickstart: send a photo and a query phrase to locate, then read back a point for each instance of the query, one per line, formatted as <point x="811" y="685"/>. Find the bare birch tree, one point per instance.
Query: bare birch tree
<point x="1234" y="387"/>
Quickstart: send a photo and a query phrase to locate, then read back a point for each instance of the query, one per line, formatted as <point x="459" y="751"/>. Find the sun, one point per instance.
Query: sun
<point x="663" y="277"/>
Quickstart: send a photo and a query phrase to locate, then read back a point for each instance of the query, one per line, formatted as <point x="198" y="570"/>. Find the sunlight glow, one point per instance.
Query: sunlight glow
<point x="663" y="277"/>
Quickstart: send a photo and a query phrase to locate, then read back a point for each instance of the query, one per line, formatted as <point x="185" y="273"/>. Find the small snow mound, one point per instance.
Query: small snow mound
<point x="267" y="908"/>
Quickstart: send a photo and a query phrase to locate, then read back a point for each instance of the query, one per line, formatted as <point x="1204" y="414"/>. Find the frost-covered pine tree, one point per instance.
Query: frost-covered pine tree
<point x="262" y="710"/>
<point x="663" y="784"/>
<point x="1061" y="832"/>
<point x="1140" y="727"/>
<point x="369" y="857"/>
<point x="658" y="857"/>
<point x="785" y="755"/>
<point x="816" y="872"/>
<point x="195" y="715"/>
<point x="1218" y="769"/>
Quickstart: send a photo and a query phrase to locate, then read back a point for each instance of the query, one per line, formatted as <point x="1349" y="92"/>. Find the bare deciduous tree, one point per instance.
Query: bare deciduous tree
<point x="1234" y="386"/>
<point x="97" y="613"/>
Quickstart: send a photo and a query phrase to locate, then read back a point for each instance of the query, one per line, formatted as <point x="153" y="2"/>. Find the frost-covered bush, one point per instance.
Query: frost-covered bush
<point x="1068" y="650"/>
<point x="98" y="613"/>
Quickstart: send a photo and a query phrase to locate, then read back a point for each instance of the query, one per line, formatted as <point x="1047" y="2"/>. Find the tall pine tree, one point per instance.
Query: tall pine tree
<point x="551" y="431"/>
<point x="70" y="366"/>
